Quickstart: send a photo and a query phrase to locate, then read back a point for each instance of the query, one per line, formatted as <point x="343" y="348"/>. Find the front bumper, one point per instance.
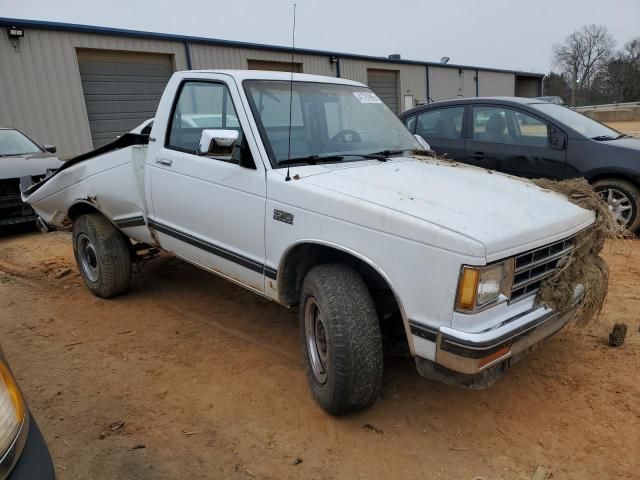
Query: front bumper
<point x="473" y="353"/>
<point x="14" y="211"/>
<point x="34" y="462"/>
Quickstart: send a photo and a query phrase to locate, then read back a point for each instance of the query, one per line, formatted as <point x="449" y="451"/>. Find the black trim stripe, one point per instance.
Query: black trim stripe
<point x="270" y="272"/>
<point x="135" y="221"/>
<point x="215" y="249"/>
<point x="423" y="331"/>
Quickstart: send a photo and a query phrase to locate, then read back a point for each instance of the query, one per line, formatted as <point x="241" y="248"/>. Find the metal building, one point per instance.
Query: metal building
<point x="79" y="86"/>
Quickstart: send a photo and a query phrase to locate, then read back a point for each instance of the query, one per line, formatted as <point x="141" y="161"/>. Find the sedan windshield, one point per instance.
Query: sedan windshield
<point x="580" y="123"/>
<point x="328" y="121"/>
<point x="12" y="142"/>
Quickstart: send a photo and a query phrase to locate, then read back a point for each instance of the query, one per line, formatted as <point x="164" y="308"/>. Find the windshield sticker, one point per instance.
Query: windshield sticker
<point x="367" y="97"/>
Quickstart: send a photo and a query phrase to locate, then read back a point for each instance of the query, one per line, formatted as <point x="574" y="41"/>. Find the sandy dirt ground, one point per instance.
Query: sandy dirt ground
<point x="209" y="378"/>
<point x="630" y="128"/>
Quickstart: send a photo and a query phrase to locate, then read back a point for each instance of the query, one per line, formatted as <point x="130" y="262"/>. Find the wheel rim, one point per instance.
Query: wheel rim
<point x="619" y="204"/>
<point x="88" y="257"/>
<point x="316" y="340"/>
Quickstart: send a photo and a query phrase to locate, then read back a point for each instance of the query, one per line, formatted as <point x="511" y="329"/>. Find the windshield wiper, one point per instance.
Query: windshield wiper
<point x="387" y="153"/>
<point x="602" y="138"/>
<point x="314" y="159"/>
<point x="622" y="135"/>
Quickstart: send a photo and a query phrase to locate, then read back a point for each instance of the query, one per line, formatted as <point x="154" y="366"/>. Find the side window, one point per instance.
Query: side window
<point x="532" y="132"/>
<point x="505" y="125"/>
<point x="441" y="123"/>
<point x="410" y="122"/>
<point x="200" y="105"/>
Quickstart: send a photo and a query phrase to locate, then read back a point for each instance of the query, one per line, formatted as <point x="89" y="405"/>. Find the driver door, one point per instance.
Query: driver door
<point x="209" y="209"/>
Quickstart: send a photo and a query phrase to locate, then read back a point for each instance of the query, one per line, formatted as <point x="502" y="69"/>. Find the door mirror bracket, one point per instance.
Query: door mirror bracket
<point x="218" y="143"/>
<point x="556" y="139"/>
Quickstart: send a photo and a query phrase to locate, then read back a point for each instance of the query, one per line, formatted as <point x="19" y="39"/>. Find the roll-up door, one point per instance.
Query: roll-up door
<point x="121" y="89"/>
<point x="385" y="84"/>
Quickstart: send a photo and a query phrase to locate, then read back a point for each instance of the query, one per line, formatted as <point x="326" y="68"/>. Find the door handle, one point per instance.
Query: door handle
<point x="164" y="161"/>
<point x="478" y="155"/>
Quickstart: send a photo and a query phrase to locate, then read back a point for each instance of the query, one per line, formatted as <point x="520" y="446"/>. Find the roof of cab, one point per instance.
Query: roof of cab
<point x="242" y="75"/>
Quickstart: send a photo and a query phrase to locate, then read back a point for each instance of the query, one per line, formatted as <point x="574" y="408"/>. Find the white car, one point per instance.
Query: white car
<point x="321" y="203"/>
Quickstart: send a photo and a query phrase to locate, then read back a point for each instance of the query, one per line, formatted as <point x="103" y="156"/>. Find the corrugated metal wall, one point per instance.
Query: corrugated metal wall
<point x="451" y="82"/>
<point x="412" y="77"/>
<point x="469" y="88"/>
<point x="496" y="83"/>
<point x="40" y="88"/>
<point x="41" y="91"/>
<point x="212" y="56"/>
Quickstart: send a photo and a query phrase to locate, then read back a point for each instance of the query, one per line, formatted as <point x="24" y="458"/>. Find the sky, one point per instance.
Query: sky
<point x="510" y="34"/>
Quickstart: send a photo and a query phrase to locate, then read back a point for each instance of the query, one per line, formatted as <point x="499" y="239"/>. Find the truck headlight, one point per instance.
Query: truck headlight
<point x="480" y="286"/>
<point x="12" y="409"/>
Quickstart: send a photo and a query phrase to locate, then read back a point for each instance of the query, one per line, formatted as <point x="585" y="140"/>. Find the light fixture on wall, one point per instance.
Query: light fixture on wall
<point x="15" y="33"/>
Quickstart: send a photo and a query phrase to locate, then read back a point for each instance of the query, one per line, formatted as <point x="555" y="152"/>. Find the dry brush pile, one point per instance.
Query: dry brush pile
<point x="585" y="265"/>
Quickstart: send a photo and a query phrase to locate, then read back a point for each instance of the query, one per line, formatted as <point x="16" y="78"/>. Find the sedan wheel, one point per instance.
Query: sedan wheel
<point x="619" y="204"/>
<point x="623" y="198"/>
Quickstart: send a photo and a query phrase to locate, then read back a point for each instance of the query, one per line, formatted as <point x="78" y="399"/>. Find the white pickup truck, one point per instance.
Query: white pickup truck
<point x="323" y="204"/>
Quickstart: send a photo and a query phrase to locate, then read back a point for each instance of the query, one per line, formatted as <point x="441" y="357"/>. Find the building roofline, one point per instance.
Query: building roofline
<point x="72" y="27"/>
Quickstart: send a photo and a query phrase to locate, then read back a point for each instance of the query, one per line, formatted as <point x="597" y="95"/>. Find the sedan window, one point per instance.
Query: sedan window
<point x="410" y="122"/>
<point x="580" y="123"/>
<point x="505" y="125"/>
<point x="441" y="123"/>
<point x="12" y="142"/>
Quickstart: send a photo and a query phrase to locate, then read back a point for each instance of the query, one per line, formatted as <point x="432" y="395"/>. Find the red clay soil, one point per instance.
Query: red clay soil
<point x="209" y="379"/>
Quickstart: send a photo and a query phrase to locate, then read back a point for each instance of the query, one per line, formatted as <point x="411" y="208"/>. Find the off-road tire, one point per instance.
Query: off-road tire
<point x="631" y="191"/>
<point x="354" y="370"/>
<point x="111" y="251"/>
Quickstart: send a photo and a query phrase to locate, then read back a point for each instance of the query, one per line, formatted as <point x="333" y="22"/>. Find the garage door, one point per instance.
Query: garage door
<point x="385" y="84"/>
<point x="121" y="89"/>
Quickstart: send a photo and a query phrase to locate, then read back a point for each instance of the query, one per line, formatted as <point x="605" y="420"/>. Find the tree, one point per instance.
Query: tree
<point x="583" y="55"/>
<point x="554" y="84"/>
<point x="629" y="58"/>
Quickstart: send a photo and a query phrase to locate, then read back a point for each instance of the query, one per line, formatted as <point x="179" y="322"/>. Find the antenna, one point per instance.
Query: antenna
<point x="293" y="47"/>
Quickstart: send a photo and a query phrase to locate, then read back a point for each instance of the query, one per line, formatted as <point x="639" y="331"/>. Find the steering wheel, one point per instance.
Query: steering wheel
<point x="355" y="137"/>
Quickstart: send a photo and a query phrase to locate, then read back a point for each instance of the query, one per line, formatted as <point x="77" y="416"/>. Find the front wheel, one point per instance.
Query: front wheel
<point x="102" y="255"/>
<point x="623" y="199"/>
<point x="341" y="339"/>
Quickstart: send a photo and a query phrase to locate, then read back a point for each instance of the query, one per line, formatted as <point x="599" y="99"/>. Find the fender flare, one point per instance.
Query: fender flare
<point x="362" y="258"/>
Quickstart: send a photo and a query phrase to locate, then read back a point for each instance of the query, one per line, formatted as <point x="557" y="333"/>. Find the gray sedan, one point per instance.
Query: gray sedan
<point x="22" y="163"/>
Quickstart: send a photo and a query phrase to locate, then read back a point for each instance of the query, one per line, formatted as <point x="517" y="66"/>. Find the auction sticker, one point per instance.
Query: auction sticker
<point x="367" y="97"/>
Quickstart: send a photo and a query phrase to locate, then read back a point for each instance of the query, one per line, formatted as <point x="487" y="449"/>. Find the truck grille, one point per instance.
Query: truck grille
<point x="532" y="267"/>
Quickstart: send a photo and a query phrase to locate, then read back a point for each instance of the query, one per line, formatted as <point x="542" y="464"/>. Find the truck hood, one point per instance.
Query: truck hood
<point x="506" y="214"/>
<point x="16" y="166"/>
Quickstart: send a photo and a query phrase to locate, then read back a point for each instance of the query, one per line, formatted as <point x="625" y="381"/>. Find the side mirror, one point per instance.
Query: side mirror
<point x="423" y="143"/>
<point x="218" y="142"/>
<point x="556" y="139"/>
<point x="50" y="148"/>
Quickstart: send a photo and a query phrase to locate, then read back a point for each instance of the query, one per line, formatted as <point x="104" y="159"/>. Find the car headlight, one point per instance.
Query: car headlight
<point x="12" y="409"/>
<point x="481" y="286"/>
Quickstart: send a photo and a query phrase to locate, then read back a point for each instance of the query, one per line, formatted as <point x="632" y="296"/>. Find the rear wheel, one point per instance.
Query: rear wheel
<point x="102" y="255"/>
<point x="341" y="339"/>
<point x="623" y="199"/>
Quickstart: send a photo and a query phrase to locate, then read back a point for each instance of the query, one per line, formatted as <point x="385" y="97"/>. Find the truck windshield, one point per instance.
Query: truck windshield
<point x="12" y="142"/>
<point x="327" y="120"/>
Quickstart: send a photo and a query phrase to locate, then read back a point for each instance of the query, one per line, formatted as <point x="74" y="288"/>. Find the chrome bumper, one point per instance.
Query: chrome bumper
<point x="471" y="353"/>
